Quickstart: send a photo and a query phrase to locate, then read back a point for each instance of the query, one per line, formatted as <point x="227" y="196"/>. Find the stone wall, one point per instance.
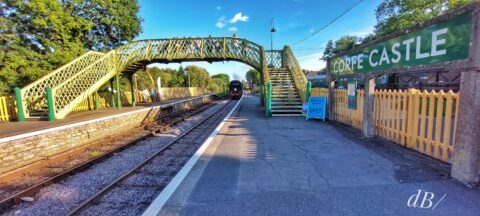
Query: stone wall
<point x="23" y="149"/>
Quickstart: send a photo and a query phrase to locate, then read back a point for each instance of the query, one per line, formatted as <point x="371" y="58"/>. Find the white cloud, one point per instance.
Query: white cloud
<point x="311" y="61"/>
<point x="239" y="17"/>
<point x="233" y="29"/>
<point x="221" y="22"/>
<point x="218" y="8"/>
<point x="312" y="30"/>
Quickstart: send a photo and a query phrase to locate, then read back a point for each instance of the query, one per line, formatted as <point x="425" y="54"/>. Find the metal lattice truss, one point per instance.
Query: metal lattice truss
<point x="34" y="93"/>
<point x="274" y="58"/>
<point x="74" y="82"/>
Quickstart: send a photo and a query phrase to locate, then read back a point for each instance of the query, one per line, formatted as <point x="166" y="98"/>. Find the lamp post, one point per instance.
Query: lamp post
<point x="273" y="30"/>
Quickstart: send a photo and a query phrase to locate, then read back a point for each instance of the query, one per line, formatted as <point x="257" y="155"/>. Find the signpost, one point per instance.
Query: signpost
<point x="317" y="107"/>
<point x="352" y="95"/>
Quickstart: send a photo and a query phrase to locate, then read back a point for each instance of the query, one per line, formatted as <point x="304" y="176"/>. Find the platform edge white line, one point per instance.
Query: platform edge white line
<point x="156" y="206"/>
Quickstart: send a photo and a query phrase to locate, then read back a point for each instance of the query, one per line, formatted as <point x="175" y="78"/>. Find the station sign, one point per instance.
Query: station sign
<point x="440" y="42"/>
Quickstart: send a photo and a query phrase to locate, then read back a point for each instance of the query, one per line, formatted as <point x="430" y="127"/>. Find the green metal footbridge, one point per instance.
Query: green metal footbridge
<point x="59" y="92"/>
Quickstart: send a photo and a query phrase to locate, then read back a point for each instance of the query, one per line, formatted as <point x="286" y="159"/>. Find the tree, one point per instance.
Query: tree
<point x="341" y="45"/>
<point x="198" y="76"/>
<point x="253" y="76"/>
<point x="224" y="77"/>
<point x="217" y="85"/>
<point x="38" y="36"/>
<point x="397" y="15"/>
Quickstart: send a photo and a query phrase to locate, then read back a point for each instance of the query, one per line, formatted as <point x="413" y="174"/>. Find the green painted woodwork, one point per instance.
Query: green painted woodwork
<point x="269" y="99"/>
<point x="51" y="104"/>
<point x="20" y="110"/>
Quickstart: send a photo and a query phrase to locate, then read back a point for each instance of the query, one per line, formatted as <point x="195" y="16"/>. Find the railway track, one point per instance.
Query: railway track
<point x="22" y="192"/>
<point x="151" y="175"/>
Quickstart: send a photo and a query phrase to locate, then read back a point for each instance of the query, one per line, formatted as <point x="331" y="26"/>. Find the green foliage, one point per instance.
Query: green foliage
<point x="397" y="15"/>
<point x="38" y="36"/>
<point x="168" y="78"/>
<point x="219" y="83"/>
<point x="339" y="46"/>
<point x="179" y="78"/>
<point x="223" y="77"/>
<point x="198" y="76"/>
<point x="253" y="76"/>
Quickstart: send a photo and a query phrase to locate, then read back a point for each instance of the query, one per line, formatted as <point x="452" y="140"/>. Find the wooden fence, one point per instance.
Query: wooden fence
<point x="8" y="107"/>
<point x="420" y="120"/>
<point x="423" y="121"/>
<point x="347" y="116"/>
<point x="105" y="99"/>
<point x="319" y="92"/>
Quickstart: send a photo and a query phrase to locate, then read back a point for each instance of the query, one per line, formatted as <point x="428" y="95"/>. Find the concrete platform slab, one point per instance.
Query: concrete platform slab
<point x="290" y="166"/>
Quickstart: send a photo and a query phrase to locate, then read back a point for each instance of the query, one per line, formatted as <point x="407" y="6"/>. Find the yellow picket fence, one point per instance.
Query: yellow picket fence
<point x="319" y="92"/>
<point x="420" y="120"/>
<point x="8" y="108"/>
<point x="352" y="117"/>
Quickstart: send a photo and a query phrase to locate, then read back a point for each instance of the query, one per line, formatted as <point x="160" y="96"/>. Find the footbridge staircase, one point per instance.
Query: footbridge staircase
<point x="55" y="95"/>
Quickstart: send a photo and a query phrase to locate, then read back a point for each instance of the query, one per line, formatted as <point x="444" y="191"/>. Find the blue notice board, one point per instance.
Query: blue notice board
<point x="317" y="107"/>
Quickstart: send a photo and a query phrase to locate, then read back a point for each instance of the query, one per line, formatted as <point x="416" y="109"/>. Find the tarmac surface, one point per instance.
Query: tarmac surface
<point x="14" y="128"/>
<point x="290" y="166"/>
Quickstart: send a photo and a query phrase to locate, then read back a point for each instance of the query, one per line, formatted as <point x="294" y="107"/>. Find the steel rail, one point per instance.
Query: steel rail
<point x="32" y="190"/>
<point x="86" y="204"/>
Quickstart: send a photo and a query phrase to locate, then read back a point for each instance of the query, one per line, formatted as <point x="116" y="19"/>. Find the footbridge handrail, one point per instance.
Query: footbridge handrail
<point x="298" y="76"/>
<point x="33" y="94"/>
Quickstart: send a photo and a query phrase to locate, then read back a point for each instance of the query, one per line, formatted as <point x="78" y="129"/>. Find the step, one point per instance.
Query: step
<point x="286" y="115"/>
<point x="287" y="102"/>
<point x="284" y="94"/>
<point x="285" y="98"/>
<point x="277" y="101"/>
<point x="287" y="111"/>
<point x="286" y="107"/>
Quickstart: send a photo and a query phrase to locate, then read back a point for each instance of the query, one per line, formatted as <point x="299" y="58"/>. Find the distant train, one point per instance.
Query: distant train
<point x="236" y="89"/>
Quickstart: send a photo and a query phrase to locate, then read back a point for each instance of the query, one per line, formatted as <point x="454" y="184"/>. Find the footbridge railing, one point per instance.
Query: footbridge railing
<point x="74" y="82"/>
<point x="299" y="78"/>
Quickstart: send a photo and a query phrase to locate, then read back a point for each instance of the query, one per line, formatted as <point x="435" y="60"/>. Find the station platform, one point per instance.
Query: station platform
<point x="291" y="166"/>
<point x="8" y="129"/>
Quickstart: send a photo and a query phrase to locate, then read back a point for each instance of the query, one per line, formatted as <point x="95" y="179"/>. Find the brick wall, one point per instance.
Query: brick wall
<point x="24" y="149"/>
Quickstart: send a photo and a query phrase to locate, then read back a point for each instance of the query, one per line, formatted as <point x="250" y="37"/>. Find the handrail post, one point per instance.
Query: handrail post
<point x="20" y="110"/>
<point x="308" y="92"/>
<point x="112" y="91"/>
<point x="262" y="101"/>
<point x="269" y="99"/>
<point x="51" y="104"/>
<point x="97" y="101"/>
<point x="132" y="89"/>
<point x="117" y="82"/>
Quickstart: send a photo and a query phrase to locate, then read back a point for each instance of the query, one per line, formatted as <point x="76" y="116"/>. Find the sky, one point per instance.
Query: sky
<point x="251" y="19"/>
